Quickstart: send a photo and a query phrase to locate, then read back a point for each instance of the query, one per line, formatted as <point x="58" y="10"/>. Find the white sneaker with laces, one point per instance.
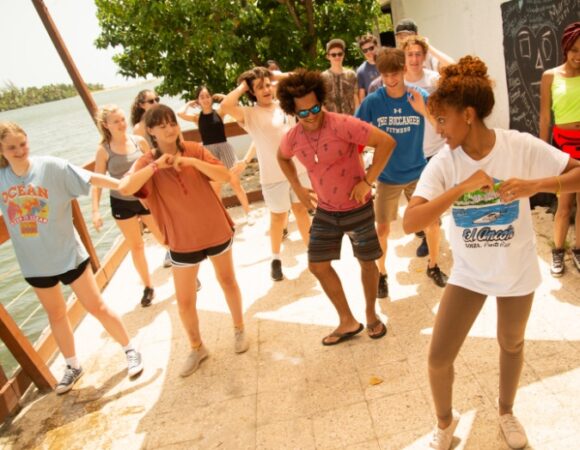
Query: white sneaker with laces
<point x="134" y="363"/>
<point x="241" y="343"/>
<point x="194" y="359"/>
<point x="513" y="431"/>
<point x="442" y="439"/>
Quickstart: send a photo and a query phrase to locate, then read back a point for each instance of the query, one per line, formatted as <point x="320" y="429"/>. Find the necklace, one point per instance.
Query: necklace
<point x="315" y="149"/>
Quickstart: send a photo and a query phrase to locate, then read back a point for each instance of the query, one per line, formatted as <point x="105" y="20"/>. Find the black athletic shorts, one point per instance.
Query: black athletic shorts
<point x="194" y="258"/>
<point x="125" y="209"/>
<point x="65" y="278"/>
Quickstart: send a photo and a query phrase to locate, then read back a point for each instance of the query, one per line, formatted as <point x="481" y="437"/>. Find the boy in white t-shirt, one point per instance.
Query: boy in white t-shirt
<point x="266" y="123"/>
<point x="491" y="234"/>
<point x="416" y="50"/>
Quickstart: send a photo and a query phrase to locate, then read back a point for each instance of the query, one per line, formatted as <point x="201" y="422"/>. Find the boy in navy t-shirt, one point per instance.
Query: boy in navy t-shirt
<point x="400" y="111"/>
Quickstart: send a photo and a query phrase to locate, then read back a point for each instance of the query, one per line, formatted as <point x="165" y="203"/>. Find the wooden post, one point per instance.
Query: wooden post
<point x="24" y="352"/>
<point x="71" y="68"/>
<point x="81" y="227"/>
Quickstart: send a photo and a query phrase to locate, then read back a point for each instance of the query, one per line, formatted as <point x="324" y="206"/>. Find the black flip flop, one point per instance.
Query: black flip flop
<point x="342" y="336"/>
<point x="379" y="335"/>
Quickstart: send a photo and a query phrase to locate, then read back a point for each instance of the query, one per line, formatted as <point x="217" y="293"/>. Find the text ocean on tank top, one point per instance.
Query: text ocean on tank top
<point x="211" y="128"/>
<point x="118" y="165"/>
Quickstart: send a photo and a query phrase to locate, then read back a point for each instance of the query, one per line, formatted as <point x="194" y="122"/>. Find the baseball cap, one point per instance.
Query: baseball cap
<point x="335" y="43"/>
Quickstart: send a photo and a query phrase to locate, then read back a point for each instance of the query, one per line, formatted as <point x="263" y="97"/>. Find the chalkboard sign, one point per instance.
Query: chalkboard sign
<point x="532" y="31"/>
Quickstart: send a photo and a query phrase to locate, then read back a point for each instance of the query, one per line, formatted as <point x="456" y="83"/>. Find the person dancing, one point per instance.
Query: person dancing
<point x="116" y="154"/>
<point x="36" y="203"/>
<point x="491" y="234"/>
<point x="175" y="180"/>
<point x="559" y="94"/>
<point x="213" y="136"/>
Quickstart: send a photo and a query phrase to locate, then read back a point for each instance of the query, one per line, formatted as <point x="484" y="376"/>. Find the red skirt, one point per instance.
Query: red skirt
<point x="568" y="141"/>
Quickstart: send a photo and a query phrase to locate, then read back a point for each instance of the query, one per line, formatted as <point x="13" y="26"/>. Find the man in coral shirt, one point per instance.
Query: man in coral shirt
<point x="326" y="144"/>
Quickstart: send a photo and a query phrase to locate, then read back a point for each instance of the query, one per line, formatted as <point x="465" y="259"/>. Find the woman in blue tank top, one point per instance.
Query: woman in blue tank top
<point x="116" y="154"/>
<point x="211" y="127"/>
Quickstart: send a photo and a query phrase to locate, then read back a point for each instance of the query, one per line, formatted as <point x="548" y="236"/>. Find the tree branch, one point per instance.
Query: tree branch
<point x="292" y="10"/>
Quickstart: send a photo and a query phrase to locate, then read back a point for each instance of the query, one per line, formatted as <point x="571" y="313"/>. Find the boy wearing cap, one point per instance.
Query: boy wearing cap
<point x="435" y="59"/>
<point x="367" y="71"/>
<point x="400" y="111"/>
<point x="341" y="83"/>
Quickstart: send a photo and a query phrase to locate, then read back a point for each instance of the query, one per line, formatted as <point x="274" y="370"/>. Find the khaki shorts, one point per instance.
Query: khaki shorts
<point x="280" y="196"/>
<point x="387" y="199"/>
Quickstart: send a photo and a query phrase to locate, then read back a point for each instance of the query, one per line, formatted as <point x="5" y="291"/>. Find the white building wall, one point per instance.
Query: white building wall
<point x="462" y="27"/>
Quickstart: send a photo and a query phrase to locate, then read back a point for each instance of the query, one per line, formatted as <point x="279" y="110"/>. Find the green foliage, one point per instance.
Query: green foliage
<point x="193" y="42"/>
<point x="13" y="97"/>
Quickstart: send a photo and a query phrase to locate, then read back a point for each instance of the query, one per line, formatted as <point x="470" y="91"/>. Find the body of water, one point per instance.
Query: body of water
<point x="65" y="129"/>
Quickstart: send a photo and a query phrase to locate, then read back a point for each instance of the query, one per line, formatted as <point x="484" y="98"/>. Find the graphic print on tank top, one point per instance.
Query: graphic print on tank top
<point x="485" y="219"/>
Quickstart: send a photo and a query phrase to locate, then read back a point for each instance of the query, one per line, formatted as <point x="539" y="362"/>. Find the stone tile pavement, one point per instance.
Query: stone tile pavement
<point x="288" y="391"/>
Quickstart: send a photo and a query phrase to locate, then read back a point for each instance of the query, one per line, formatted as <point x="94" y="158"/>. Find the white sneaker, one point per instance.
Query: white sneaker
<point x="193" y="361"/>
<point x="512" y="429"/>
<point x="442" y="439"/>
<point x="241" y="343"/>
<point x="134" y="363"/>
<point x="250" y="221"/>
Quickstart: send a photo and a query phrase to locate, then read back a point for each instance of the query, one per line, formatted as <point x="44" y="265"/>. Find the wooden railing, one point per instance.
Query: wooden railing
<point x="33" y="358"/>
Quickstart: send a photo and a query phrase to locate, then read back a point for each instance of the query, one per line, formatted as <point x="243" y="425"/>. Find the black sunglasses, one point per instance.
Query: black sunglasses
<point x="304" y="113"/>
<point x="336" y="55"/>
<point x="151" y="101"/>
<point x="368" y="49"/>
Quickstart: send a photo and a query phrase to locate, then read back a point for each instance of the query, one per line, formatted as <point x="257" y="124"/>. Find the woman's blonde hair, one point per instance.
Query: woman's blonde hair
<point x="7" y="128"/>
<point x="101" y="119"/>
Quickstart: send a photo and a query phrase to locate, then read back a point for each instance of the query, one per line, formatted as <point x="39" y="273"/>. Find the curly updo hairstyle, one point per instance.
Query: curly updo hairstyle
<point x="464" y="84"/>
<point x="298" y="84"/>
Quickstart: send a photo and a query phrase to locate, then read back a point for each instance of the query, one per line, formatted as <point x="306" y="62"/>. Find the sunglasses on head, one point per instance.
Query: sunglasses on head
<point x="368" y="49"/>
<point x="151" y="101"/>
<point x="304" y="113"/>
<point x="336" y="55"/>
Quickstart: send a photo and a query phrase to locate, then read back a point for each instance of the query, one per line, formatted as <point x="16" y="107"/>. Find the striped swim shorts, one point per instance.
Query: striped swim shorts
<point x="328" y="228"/>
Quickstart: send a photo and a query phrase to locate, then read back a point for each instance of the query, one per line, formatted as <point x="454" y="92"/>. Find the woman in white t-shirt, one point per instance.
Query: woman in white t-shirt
<point x="490" y="234"/>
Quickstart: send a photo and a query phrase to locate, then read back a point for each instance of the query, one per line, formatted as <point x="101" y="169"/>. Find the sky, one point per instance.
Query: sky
<point x="28" y="57"/>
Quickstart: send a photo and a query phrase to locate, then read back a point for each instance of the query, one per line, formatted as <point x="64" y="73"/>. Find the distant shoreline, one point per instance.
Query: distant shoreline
<point x="13" y="98"/>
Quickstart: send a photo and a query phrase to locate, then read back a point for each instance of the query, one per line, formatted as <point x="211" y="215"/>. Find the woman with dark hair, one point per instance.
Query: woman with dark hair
<point x="36" y="203"/>
<point x="175" y="180"/>
<point x="213" y="136"/>
<point x="560" y="96"/>
<point x="491" y="234"/>
<point x="146" y="99"/>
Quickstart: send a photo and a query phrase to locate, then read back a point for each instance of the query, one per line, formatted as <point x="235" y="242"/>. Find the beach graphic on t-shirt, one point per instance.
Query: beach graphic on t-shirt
<point x="26" y="206"/>
<point x="482" y="214"/>
<point x="478" y="208"/>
